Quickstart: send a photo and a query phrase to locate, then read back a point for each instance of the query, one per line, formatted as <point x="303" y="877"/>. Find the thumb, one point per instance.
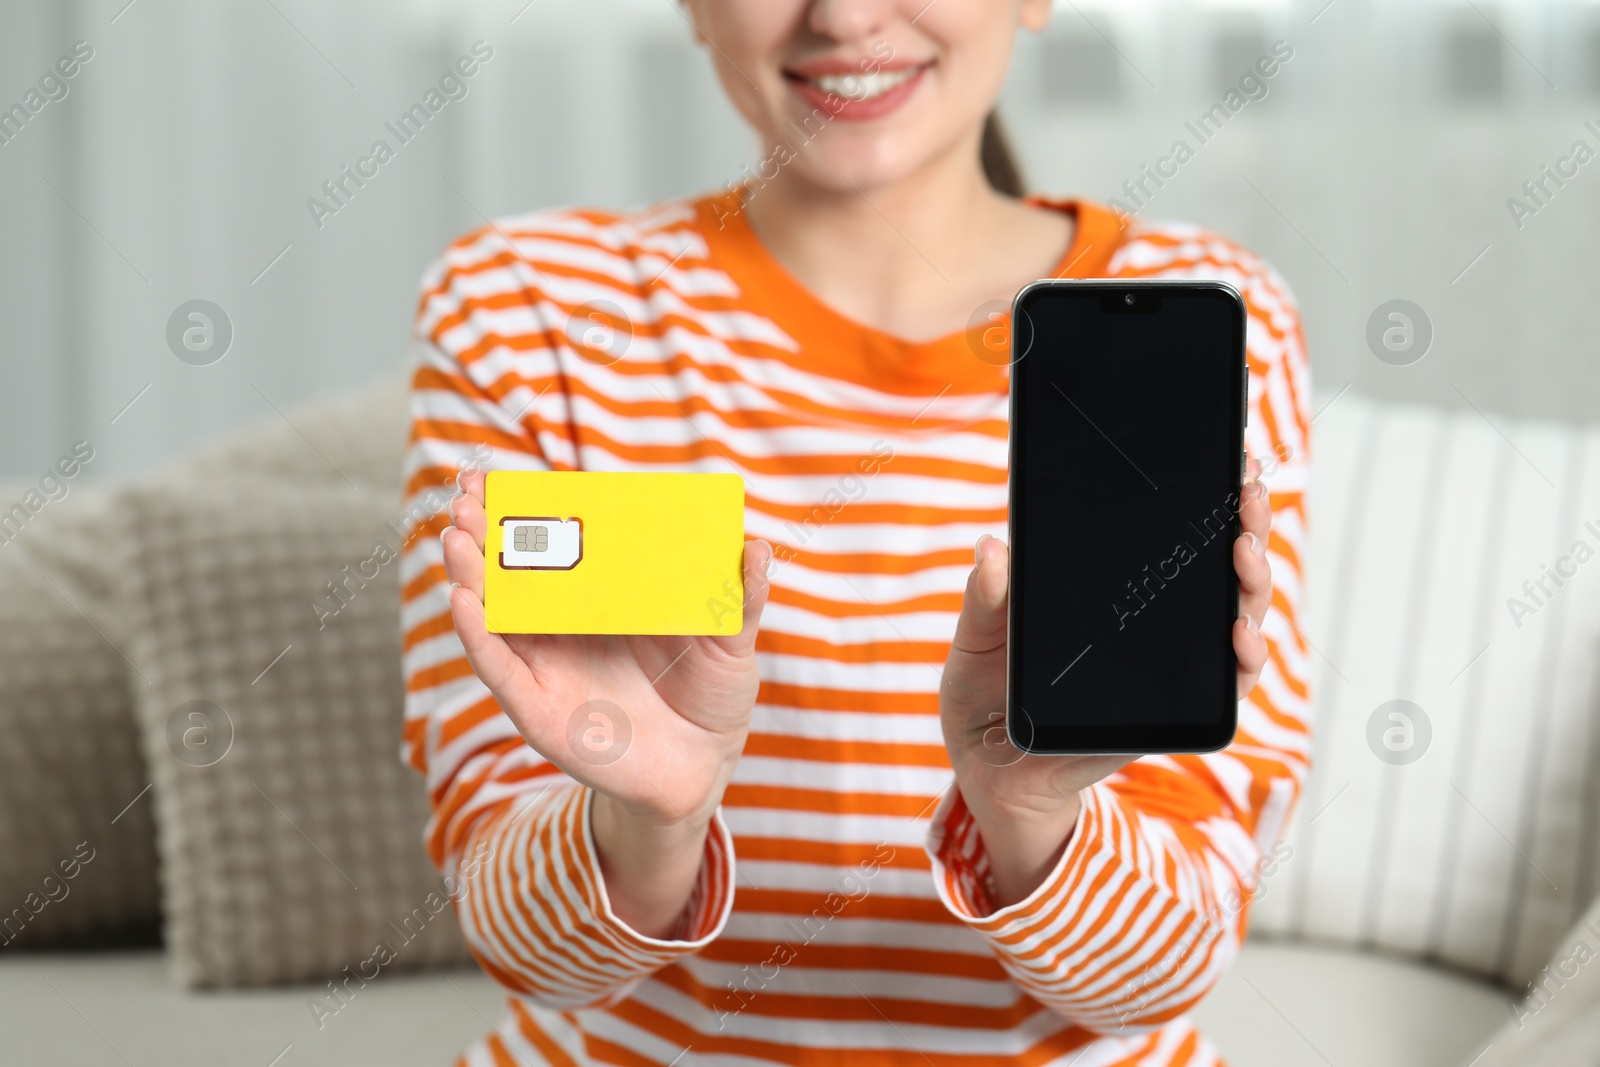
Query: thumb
<point x="982" y="626"/>
<point x="757" y="559"/>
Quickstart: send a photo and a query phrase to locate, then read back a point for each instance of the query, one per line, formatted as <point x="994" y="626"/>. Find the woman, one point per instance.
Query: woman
<point x="779" y="866"/>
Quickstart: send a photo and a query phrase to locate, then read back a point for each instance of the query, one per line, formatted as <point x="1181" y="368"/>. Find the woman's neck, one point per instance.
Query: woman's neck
<point x="914" y="258"/>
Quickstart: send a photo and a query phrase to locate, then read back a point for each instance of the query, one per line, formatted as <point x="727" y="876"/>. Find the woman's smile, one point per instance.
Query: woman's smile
<point x="859" y="91"/>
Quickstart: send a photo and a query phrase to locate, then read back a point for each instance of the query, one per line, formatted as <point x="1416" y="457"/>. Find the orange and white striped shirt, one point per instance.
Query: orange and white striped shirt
<point x="840" y="915"/>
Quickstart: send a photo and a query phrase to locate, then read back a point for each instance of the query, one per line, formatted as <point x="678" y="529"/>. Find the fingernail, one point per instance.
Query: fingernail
<point x="445" y="531"/>
<point x="454" y="586"/>
<point x="977" y="550"/>
<point x="1255" y="544"/>
<point x="772" y="558"/>
<point x="1250" y="624"/>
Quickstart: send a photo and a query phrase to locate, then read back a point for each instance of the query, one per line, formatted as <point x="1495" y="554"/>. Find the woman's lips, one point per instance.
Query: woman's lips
<point x="856" y="97"/>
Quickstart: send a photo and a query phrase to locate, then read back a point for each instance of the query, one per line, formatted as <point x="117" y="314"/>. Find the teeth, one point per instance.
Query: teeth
<point x="862" y="86"/>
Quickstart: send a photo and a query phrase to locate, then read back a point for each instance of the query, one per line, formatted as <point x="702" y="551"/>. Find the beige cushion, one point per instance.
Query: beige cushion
<point x="129" y="1009"/>
<point x="70" y="759"/>
<point x="356" y="438"/>
<point x="292" y="851"/>
<point x="1426" y="525"/>
<point x="1558" y="1023"/>
<point x="71" y="774"/>
<point x="1304" y="1006"/>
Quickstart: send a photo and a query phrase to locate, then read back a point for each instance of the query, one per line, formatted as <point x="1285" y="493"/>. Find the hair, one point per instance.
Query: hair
<point x="999" y="162"/>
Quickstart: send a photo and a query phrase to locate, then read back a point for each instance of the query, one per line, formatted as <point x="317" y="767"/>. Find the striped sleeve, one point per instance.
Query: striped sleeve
<point x="488" y="392"/>
<point x="1149" y="901"/>
<point x="538" y="919"/>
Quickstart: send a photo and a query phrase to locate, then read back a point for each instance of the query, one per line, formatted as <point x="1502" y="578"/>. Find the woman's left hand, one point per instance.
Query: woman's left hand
<point x="1026" y="806"/>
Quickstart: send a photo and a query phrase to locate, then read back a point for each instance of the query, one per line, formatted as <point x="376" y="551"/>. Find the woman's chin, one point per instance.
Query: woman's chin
<point x="856" y="164"/>
<point x="855" y="155"/>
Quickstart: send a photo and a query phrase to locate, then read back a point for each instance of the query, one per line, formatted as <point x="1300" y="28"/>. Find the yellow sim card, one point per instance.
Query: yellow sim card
<point x="581" y="552"/>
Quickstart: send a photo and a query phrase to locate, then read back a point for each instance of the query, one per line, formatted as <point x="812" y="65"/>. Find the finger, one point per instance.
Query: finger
<point x="1255" y="510"/>
<point x="491" y="658"/>
<point x="982" y="625"/>
<point x="757" y="561"/>
<point x="1255" y="576"/>
<point x="472" y="484"/>
<point x="1251" y="650"/>
<point x="1073" y="774"/>
<point x="505" y="673"/>
<point x="467" y="515"/>
<point x="463" y="561"/>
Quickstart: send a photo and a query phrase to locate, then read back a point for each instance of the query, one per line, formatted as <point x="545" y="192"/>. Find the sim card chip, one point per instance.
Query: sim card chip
<point x="540" y="543"/>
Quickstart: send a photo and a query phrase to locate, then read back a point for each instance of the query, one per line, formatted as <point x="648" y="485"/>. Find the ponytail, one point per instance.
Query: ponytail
<point x="999" y="164"/>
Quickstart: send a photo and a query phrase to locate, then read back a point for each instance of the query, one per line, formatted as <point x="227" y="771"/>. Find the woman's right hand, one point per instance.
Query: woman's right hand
<point x="686" y="700"/>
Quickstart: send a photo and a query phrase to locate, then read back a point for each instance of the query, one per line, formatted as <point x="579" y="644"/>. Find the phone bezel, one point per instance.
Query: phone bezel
<point x="1120" y="739"/>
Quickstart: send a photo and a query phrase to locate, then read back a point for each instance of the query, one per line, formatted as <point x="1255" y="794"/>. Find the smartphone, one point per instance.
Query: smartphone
<point x="1127" y="462"/>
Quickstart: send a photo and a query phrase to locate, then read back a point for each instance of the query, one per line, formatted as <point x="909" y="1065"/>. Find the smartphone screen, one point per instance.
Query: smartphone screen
<point x="1127" y="457"/>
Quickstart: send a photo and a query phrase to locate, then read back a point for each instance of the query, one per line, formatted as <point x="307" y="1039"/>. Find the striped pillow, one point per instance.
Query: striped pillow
<point x="1455" y="565"/>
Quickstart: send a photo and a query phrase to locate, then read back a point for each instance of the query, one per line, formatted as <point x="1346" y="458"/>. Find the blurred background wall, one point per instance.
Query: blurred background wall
<point x="179" y="162"/>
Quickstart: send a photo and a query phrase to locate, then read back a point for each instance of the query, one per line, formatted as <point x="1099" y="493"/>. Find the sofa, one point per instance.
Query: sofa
<point x="210" y="853"/>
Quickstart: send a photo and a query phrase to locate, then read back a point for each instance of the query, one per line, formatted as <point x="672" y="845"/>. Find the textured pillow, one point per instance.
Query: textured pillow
<point x="74" y="796"/>
<point x="267" y="608"/>
<point x="1455" y="565"/>
<point x="356" y="438"/>
<point x="77" y="843"/>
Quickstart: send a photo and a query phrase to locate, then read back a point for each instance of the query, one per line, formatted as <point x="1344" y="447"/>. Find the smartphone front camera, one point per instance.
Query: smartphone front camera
<point x="1128" y="299"/>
